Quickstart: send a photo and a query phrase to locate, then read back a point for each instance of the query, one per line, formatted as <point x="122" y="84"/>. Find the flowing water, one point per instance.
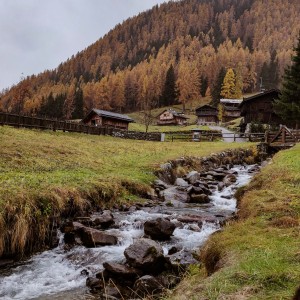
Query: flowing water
<point x="60" y="274"/>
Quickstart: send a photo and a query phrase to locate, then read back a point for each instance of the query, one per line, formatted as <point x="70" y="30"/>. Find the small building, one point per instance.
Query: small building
<point x="231" y="109"/>
<point x="207" y="115"/>
<point x="99" y="117"/>
<point x="171" y="117"/>
<point x="259" y="108"/>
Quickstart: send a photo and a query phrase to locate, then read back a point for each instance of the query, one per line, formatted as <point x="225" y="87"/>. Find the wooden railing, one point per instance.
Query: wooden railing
<point x="284" y="136"/>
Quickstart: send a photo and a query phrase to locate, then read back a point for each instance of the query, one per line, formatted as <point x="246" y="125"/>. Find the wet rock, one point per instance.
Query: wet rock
<point x="94" y="283"/>
<point x="192" y="177"/>
<point x="173" y="250"/>
<point x="159" y="229"/>
<point x="161" y="185"/>
<point x="201" y="198"/>
<point x="145" y="254"/>
<point x="147" y="286"/>
<point x="229" y="179"/>
<point x="173" y="193"/>
<point x="197" y="219"/>
<point x="69" y="238"/>
<point x="87" y="221"/>
<point x="195" y="190"/>
<point x="92" y="237"/>
<point x="221" y="186"/>
<point x="194" y="227"/>
<point x="216" y="175"/>
<point x="181" y="182"/>
<point x="121" y="271"/>
<point x="105" y="220"/>
<point x="71" y="227"/>
<point x="227" y="197"/>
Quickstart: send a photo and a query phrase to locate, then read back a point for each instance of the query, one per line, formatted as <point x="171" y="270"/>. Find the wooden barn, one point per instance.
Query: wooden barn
<point x="207" y="114"/>
<point x="99" y="117"/>
<point x="259" y="108"/>
<point x="171" y="117"/>
<point x="231" y="109"/>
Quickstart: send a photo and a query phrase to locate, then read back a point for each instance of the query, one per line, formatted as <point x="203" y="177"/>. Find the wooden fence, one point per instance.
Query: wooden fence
<point x="215" y="135"/>
<point x="283" y="137"/>
<point x="68" y="126"/>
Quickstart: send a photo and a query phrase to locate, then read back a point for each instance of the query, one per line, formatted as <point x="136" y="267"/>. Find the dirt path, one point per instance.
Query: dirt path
<point x="228" y="136"/>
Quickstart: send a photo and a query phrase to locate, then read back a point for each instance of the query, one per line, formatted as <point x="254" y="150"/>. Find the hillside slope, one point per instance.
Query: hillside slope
<point x="126" y="70"/>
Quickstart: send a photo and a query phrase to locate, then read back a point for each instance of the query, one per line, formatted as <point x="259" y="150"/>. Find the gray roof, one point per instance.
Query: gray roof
<point x="232" y="101"/>
<point x="175" y="113"/>
<point x="105" y="113"/>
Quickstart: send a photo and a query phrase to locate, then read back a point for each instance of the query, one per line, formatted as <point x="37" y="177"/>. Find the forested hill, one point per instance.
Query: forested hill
<point x="175" y="50"/>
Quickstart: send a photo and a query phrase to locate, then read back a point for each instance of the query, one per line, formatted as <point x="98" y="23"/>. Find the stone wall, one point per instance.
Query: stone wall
<point x="169" y="171"/>
<point x="134" y="135"/>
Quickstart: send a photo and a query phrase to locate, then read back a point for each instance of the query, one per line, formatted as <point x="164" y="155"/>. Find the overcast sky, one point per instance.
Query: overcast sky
<point x="39" y="34"/>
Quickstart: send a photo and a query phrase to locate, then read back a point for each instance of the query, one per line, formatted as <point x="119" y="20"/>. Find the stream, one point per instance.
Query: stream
<point x="61" y="274"/>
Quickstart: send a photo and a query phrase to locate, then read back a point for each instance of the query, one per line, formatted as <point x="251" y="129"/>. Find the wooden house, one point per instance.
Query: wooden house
<point x="99" y="117"/>
<point x="171" y="117"/>
<point x="207" y="114"/>
<point x="259" y="108"/>
<point x="231" y="109"/>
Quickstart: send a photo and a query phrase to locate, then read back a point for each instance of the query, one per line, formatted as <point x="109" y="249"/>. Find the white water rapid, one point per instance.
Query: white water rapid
<point x="56" y="274"/>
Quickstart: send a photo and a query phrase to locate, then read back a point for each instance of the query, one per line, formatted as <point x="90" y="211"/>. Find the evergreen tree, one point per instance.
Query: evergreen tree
<point x="288" y="104"/>
<point x="228" y="89"/>
<point x="78" y="104"/>
<point x="216" y="89"/>
<point x="169" y="92"/>
<point x="203" y="85"/>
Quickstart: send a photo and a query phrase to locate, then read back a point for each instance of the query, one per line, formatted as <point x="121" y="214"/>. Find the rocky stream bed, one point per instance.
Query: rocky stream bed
<point x="134" y="251"/>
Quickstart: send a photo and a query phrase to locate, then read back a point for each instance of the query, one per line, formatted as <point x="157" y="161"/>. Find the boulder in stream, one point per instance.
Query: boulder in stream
<point x="192" y="177"/>
<point x="105" y="220"/>
<point x="199" y="198"/>
<point x="120" y="271"/>
<point x="145" y="254"/>
<point x="160" y="229"/>
<point x="174" y="193"/>
<point x="91" y="237"/>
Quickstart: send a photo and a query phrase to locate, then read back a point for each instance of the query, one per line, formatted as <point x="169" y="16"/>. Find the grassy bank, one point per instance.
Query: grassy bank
<point x="256" y="257"/>
<point x="42" y="173"/>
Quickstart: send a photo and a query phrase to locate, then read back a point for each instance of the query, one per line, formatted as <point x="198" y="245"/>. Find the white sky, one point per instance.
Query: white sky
<point x="36" y="35"/>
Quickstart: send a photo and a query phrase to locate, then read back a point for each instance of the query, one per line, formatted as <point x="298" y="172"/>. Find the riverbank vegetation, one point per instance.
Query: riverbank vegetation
<point x="42" y="173"/>
<point x="256" y="257"/>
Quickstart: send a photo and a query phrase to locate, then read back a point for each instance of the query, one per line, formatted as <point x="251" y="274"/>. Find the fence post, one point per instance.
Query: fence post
<point x="234" y="137"/>
<point x="283" y="135"/>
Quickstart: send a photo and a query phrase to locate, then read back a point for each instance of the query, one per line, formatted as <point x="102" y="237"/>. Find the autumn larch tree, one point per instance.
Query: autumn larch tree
<point x="228" y="90"/>
<point x="288" y="104"/>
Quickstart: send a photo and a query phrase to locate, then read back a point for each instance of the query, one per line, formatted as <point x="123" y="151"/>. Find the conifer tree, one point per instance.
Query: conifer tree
<point x="216" y="89"/>
<point x="169" y="93"/>
<point x="288" y="104"/>
<point x="78" y="103"/>
<point x="228" y="87"/>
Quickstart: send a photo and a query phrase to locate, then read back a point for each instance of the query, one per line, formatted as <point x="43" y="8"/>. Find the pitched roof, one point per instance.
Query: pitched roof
<point x="256" y="96"/>
<point x="175" y="113"/>
<point x="104" y="113"/>
<point x="208" y="106"/>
